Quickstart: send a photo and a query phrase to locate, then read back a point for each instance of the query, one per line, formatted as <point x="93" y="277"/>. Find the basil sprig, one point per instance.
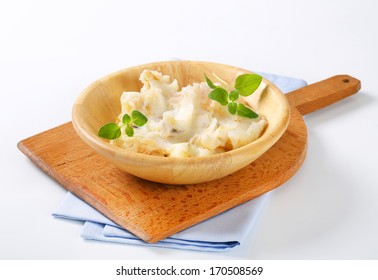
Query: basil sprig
<point x="112" y="130"/>
<point x="245" y="85"/>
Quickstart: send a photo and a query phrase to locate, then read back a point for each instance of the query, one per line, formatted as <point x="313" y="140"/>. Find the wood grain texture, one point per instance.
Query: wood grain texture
<point x="154" y="211"/>
<point x="99" y="103"/>
<point x="323" y="93"/>
<point x="150" y="210"/>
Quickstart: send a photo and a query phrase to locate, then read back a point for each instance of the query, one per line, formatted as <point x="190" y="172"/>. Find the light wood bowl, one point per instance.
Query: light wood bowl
<point x="100" y="103"/>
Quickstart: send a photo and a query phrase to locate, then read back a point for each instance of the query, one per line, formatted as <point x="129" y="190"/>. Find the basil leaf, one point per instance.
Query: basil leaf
<point x="246" y="84"/>
<point x="220" y="95"/>
<point x="129" y="130"/>
<point x="210" y="83"/>
<point x="126" y="119"/>
<point x="138" y="118"/>
<point x="244" y="111"/>
<point x="110" y="131"/>
<point x="234" y="95"/>
<point x="232" y="107"/>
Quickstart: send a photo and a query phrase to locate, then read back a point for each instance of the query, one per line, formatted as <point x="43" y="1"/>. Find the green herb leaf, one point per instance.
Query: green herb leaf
<point x="210" y="83"/>
<point x="129" y="130"/>
<point x="232" y="107"/>
<point x="220" y="95"/>
<point x="110" y="131"/>
<point x="246" y="84"/>
<point x="126" y="119"/>
<point x="234" y="95"/>
<point x="244" y="111"/>
<point x="138" y="118"/>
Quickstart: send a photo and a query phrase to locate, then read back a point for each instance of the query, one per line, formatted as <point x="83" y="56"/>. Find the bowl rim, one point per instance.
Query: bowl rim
<point x="94" y="140"/>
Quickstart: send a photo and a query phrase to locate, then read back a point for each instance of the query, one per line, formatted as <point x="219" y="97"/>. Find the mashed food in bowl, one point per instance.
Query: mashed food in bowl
<point x="183" y="123"/>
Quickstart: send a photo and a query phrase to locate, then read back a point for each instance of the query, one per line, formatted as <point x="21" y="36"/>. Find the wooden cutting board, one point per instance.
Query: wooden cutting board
<point x="154" y="211"/>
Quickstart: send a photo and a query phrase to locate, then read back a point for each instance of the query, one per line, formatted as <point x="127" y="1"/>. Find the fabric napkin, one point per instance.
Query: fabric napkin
<point x="220" y="233"/>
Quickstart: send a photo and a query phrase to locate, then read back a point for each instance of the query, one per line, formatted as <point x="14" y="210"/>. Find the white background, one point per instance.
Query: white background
<point x="51" y="50"/>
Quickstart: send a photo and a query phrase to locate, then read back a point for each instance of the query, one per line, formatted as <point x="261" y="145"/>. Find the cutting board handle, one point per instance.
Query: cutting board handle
<point x="321" y="94"/>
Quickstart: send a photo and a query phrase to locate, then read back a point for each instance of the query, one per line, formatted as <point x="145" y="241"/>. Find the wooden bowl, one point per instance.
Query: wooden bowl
<point x="100" y="103"/>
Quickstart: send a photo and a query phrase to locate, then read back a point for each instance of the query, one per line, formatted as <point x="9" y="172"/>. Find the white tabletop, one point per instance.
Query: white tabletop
<point x="51" y="51"/>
